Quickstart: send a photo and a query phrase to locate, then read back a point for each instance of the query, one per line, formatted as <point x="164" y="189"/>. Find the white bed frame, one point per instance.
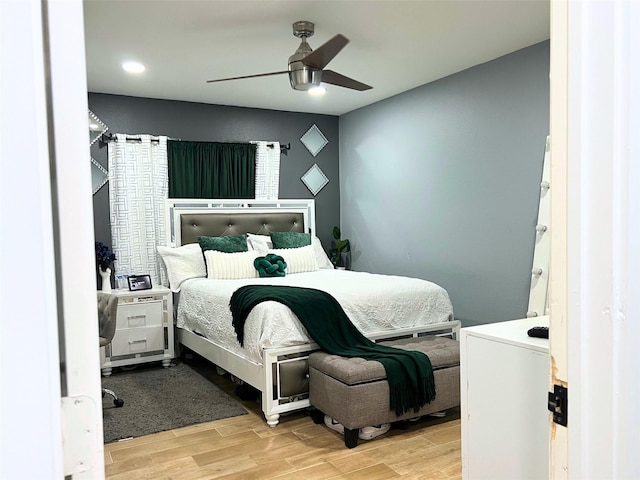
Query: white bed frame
<point x="266" y="376"/>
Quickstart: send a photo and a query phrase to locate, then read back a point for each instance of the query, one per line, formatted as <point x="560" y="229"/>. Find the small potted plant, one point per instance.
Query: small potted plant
<point x="340" y="252"/>
<point x="104" y="258"/>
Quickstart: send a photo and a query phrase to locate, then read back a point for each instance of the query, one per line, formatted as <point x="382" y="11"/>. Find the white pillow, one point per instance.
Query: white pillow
<point x="298" y="260"/>
<point x="321" y="256"/>
<point x="182" y="264"/>
<point x="262" y="243"/>
<point x="230" y="266"/>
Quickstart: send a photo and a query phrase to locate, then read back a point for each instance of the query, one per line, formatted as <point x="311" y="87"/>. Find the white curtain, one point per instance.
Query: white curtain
<point x="267" y="170"/>
<point x="138" y="187"/>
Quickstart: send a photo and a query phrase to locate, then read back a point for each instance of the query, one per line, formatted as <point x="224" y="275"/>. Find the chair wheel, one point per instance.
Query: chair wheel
<point x="118" y="402"/>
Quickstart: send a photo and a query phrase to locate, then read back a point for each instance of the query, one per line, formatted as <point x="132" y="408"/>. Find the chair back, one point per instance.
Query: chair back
<point x="107" y="313"/>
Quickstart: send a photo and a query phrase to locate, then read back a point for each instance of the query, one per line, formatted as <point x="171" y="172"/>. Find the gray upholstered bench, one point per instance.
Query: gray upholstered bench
<point x="355" y="392"/>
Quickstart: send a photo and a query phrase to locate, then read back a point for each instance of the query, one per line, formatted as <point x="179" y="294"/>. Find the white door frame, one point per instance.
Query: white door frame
<point x="595" y="225"/>
<point x="29" y="361"/>
<point x="558" y="111"/>
<point x="50" y="428"/>
<point x="83" y="447"/>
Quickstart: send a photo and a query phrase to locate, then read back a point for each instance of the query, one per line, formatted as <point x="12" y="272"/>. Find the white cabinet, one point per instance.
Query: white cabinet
<point x="144" y="329"/>
<point x="504" y="377"/>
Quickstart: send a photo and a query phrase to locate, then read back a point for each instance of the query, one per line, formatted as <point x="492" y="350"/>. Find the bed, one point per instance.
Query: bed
<point x="273" y="358"/>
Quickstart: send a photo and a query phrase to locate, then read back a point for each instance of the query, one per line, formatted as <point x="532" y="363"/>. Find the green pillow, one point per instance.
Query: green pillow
<point x="226" y="243"/>
<point x="290" y="239"/>
<point x="270" y="265"/>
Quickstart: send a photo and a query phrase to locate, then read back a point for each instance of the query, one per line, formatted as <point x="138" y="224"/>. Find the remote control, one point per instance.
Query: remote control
<point x="539" y="332"/>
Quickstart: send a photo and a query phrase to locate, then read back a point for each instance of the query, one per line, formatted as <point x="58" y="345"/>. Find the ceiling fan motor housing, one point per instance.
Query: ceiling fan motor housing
<point x="301" y="76"/>
<point x="304" y="78"/>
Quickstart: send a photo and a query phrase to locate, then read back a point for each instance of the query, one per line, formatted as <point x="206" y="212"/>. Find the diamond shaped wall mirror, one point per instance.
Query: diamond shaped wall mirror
<point x="96" y="128"/>
<point x="314" y="179"/>
<point x="98" y="176"/>
<point x="314" y="140"/>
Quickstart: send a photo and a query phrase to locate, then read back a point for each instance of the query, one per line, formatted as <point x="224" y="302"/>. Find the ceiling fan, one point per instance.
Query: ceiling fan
<point x="306" y="66"/>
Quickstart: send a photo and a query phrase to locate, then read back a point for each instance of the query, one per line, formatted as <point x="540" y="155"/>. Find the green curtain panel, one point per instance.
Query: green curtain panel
<point x="211" y="169"/>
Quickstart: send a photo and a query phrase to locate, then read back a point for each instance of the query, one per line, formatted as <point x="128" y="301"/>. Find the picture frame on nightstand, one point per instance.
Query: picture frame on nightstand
<point x="139" y="282"/>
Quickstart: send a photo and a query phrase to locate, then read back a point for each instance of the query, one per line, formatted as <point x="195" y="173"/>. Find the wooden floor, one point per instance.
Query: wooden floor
<point x="246" y="448"/>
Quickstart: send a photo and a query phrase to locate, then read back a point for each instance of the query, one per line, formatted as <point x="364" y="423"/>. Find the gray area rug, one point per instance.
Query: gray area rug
<point x="158" y="399"/>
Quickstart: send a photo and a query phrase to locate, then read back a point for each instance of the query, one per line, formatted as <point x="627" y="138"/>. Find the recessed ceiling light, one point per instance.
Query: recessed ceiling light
<point x="133" y="67"/>
<point x="317" y="91"/>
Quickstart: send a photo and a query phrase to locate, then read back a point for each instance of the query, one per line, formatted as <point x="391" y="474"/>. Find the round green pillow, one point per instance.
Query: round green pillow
<point x="270" y="265"/>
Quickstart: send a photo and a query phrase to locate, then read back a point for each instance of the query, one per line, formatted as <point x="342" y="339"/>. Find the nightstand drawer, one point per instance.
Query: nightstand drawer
<point x="137" y="340"/>
<point x="137" y="315"/>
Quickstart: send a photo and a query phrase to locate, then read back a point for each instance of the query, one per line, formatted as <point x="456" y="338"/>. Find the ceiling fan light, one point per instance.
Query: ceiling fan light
<point x="317" y="91"/>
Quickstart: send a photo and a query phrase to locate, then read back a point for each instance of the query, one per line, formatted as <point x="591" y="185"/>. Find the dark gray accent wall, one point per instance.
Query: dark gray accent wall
<point x="216" y="123"/>
<point x="443" y="182"/>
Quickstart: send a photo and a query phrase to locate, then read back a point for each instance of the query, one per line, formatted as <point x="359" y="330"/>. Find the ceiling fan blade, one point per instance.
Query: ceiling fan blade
<point x="248" y="76"/>
<point x="334" y="78"/>
<point x="321" y="56"/>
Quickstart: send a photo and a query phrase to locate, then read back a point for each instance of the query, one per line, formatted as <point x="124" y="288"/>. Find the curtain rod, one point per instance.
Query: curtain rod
<point x="283" y="148"/>
<point x="105" y="138"/>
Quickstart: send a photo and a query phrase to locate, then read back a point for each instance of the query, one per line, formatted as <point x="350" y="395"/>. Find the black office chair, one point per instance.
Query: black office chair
<point x="107" y="314"/>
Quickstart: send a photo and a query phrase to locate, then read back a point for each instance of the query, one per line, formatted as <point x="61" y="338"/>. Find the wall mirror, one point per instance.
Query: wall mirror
<point x="315" y="179"/>
<point x="96" y="128"/>
<point x="98" y="176"/>
<point x="314" y="140"/>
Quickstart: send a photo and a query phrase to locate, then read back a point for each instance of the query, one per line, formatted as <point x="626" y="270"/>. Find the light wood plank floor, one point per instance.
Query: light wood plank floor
<point x="246" y="448"/>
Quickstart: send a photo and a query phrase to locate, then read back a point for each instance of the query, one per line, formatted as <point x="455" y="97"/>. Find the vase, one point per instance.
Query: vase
<point x="345" y="260"/>
<point x="106" y="279"/>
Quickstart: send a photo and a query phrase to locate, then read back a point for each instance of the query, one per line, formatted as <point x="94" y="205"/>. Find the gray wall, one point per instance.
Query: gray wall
<point x="215" y="123"/>
<point x="442" y="183"/>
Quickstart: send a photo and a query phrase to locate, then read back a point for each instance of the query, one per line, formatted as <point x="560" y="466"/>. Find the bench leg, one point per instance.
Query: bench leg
<point x="317" y="416"/>
<point x="351" y="437"/>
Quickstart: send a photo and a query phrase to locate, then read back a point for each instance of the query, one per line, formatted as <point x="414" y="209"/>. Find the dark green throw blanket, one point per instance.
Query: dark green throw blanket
<point x="409" y="373"/>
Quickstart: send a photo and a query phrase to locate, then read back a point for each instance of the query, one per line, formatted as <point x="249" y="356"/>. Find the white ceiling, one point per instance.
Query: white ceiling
<point x="394" y="46"/>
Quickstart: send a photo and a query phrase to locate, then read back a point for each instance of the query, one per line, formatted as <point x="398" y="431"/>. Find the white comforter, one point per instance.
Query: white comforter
<point x="372" y="302"/>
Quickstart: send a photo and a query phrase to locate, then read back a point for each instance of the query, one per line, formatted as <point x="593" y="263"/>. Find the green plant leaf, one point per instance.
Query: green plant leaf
<point x="341" y="245"/>
<point x="336" y="232"/>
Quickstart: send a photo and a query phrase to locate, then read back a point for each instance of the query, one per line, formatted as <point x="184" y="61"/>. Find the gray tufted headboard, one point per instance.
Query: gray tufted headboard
<point x="188" y="219"/>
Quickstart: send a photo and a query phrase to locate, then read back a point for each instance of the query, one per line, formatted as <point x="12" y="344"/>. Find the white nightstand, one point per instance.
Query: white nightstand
<point x="144" y="329"/>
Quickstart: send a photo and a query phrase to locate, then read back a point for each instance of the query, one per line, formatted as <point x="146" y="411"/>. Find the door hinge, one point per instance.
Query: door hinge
<point x="558" y="404"/>
<point x="81" y="442"/>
